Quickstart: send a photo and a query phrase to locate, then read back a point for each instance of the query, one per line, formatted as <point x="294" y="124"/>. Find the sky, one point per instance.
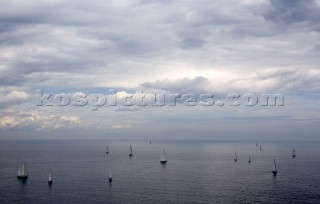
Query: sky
<point x="89" y="48"/>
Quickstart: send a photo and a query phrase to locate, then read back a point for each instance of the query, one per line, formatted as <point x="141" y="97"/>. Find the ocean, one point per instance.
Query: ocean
<point x="196" y="172"/>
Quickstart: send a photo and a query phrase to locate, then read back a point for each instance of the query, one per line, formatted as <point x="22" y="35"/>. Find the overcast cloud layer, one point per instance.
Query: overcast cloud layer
<point x="217" y="47"/>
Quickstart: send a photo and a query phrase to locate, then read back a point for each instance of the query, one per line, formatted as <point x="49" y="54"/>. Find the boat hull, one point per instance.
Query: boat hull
<point x="50" y="183"/>
<point x="274" y="173"/>
<point x="110" y="180"/>
<point x="23" y="178"/>
<point x="163" y="162"/>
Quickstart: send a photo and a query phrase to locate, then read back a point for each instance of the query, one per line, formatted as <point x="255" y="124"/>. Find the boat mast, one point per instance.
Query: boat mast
<point x="164" y="157"/>
<point x="130" y="154"/>
<point x="274" y="170"/>
<point x="24" y="171"/>
<point x="293" y="153"/>
<point x="110" y="177"/>
<point x="50" y="176"/>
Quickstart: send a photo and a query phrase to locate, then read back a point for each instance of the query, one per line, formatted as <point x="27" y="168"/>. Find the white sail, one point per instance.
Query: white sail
<point x="19" y="172"/>
<point x="249" y="159"/>
<point x="24" y="171"/>
<point x="50" y="176"/>
<point x="110" y="176"/>
<point x="293" y="152"/>
<point x="274" y="166"/>
<point x="235" y="156"/>
<point x="130" y="150"/>
<point x="107" y="149"/>
<point x="163" y="157"/>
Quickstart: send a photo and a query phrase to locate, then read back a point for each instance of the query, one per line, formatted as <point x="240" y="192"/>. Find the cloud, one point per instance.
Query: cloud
<point x="127" y="109"/>
<point x="121" y="126"/>
<point x="10" y="96"/>
<point x="158" y="45"/>
<point x="286" y="11"/>
<point x="67" y="43"/>
<point x="37" y="120"/>
<point x="273" y="80"/>
<point x="191" y="43"/>
<point x="195" y="85"/>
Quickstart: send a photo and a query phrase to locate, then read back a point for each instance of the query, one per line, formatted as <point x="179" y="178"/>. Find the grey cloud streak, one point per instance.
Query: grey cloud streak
<point x="286" y="11"/>
<point x="196" y="85"/>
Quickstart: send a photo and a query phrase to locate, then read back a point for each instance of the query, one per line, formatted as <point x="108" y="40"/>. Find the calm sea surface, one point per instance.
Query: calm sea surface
<point x="196" y="172"/>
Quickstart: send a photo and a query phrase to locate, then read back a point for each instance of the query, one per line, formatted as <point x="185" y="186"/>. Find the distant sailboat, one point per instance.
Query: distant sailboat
<point x="249" y="161"/>
<point x="293" y="153"/>
<point x="107" y="150"/>
<point x="130" y="153"/>
<point x="50" y="178"/>
<point x="260" y="148"/>
<point x="150" y="141"/>
<point x="163" y="159"/>
<point x="274" y="170"/>
<point x="235" y="157"/>
<point x="110" y="177"/>
<point x="23" y="173"/>
<point x="256" y="144"/>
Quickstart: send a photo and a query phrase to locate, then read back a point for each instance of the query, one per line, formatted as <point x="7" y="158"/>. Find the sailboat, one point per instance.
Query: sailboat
<point x="293" y="153"/>
<point x="260" y="148"/>
<point x="163" y="159"/>
<point x="249" y="161"/>
<point x="130" y="153"/>
<point x="274" y="170"/>
<point x="235" y="157"/>
<point x="23" y="173"/>
<point x="107" y="150"/>
<point x="256" y="144"/>
<point x="50" y="178"/>
<point x="150" y="141"/>
<point x="110" y="177"/>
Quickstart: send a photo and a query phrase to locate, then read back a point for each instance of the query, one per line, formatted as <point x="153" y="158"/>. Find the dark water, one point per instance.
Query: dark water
<point x="196" y="172"/>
